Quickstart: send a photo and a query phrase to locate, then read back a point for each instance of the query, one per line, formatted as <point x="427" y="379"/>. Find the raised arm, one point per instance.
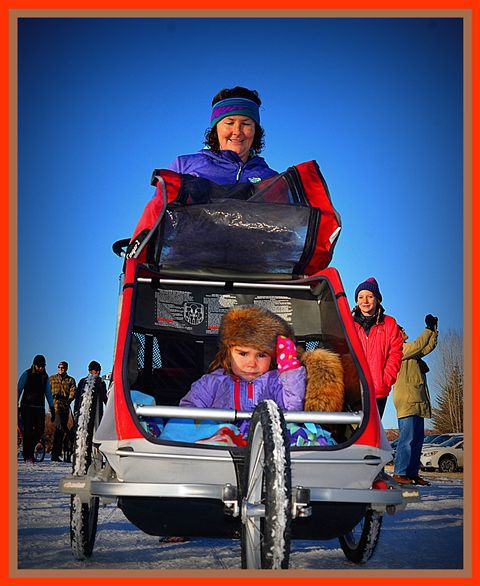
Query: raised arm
<point x="421" y="346"/>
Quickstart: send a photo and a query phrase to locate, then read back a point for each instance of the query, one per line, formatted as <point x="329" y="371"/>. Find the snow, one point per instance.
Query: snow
<point x="426" y="535"/>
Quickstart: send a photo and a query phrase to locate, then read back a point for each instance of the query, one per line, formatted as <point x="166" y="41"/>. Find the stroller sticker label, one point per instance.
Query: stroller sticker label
<point x="200" y="311"/>
<point x="170" y="308"/>
<point x="193" y="313"/>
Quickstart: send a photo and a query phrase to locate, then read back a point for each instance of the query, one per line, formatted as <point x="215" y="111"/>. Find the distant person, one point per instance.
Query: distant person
<point x="412" y="402"/>
<point x="233" y="141"/>
<point x="380" y="337"/>
<point x="94" y="369"/>
<point x="33" y="388"/>
<point x="63" y="390"/>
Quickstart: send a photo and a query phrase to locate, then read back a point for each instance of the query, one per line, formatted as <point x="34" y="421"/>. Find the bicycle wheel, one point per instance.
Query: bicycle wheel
<point x="266" y="504"/>
<point x="39" y="452"/>
<point x="359" y="544"/>
<point x="86" y="460"/>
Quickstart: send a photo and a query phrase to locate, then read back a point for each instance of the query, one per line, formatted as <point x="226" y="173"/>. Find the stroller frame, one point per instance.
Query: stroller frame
<point x="167" y="487"/>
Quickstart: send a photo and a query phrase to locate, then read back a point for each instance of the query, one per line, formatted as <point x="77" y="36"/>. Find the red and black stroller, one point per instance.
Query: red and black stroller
<point x="198" y="249"/>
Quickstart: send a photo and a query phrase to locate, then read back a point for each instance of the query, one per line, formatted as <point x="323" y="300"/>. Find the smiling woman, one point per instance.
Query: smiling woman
<point x="236" y="133"/>
<point x="233" y="141"/>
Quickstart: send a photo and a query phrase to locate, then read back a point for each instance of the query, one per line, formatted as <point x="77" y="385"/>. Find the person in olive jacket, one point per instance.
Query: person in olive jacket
<point x="63" y="390"/>
<point x="412" y="402"/>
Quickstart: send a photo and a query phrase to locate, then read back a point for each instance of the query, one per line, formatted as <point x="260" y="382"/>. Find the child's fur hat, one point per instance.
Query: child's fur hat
<point x="251" y="325"/>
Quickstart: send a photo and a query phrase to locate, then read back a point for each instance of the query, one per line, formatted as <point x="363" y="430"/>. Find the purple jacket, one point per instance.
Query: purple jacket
<point x="223" y="167"/>
<point x="223" y="391"/>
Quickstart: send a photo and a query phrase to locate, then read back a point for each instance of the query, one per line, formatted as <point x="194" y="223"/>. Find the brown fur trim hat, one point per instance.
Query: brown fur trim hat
<point x="325" y="390"/>
<point x="251" y="325"/>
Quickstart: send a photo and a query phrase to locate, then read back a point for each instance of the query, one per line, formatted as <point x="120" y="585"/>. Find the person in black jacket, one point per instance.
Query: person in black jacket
<point x="33" y="388"/>
<point x="94" y="369"/>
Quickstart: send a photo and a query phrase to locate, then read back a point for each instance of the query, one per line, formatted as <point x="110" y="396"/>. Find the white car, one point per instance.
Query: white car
<point x="447" y="457"/>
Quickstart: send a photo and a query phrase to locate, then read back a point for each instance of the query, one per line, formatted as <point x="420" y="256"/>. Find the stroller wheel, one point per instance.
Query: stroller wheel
<point x="83" y="526"/>
<point x="266" y="506"/>
<point x="86" y="461"/>
<point x="359" y="544"/>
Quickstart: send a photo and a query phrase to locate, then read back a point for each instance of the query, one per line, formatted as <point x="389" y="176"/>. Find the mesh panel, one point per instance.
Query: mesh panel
<point x="140" y="349"/>
<point x="312" y="345"/>
<point x="156" y="355"/>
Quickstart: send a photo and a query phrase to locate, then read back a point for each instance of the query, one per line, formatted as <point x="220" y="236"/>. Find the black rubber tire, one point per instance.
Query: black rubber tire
<point x="359" y="544"/>
<point x="39" y="452"/>
<point x="84" y="516"/>
<point x="447" y="464"/>
<point x="265" y="539"/>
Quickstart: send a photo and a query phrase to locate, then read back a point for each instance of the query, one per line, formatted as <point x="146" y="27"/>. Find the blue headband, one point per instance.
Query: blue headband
<point x="235" y="107"/>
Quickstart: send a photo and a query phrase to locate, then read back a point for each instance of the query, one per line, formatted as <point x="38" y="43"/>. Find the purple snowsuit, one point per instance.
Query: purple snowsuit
<point x="224" y="391"/>
<point x="223" y="167"/>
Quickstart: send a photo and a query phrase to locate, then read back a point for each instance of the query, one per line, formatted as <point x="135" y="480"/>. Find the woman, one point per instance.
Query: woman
<point x="380" y="337"/>
<point x="233" y="141"/>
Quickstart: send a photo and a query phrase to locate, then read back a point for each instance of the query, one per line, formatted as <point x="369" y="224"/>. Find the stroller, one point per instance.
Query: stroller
<point x="198" y="249"/>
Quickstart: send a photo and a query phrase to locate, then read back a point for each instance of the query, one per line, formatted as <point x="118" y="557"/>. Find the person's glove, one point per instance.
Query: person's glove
<point x="52" y="414"/>
<point x="286" y="354"/>
<point x="431" y="322"/>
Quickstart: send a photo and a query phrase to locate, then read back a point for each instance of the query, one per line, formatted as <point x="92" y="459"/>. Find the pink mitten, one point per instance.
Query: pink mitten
<point x="286" y="354"/>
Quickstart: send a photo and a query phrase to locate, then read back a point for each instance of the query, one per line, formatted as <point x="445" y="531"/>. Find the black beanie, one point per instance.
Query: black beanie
<point x="39" y="360"/>
<point x="94" y="365"/>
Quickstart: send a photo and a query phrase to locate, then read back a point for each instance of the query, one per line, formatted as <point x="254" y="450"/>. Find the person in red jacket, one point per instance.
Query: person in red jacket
<point x="380" y="337"/>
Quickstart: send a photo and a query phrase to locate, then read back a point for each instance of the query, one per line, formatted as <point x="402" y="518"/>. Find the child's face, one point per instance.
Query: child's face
<point x="367" y="302"/>
<point x="249" y="363"/>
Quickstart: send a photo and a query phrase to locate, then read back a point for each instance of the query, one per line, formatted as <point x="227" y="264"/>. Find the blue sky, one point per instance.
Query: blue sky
<point x="102" y="102"/>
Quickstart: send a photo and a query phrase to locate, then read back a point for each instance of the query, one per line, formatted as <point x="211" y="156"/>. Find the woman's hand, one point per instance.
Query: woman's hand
<point x="286" y="354"/>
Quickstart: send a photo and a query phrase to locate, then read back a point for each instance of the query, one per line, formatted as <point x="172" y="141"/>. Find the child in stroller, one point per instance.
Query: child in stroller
<point x="251" y="365"/>
<point x="257" y="360"/>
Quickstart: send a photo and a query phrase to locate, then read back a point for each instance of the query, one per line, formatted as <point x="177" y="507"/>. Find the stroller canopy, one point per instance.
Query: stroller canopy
<point x="285" y="224"/>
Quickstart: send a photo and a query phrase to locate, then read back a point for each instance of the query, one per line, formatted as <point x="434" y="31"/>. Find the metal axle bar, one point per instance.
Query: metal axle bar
<point x="234" y="415"/>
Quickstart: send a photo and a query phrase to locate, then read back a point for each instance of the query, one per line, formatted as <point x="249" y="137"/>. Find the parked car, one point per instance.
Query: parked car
<point x="442" y="438"/>
<point x="446" y="457"/>
<point x="394" y="444"/>
<point x="428" y="439"/>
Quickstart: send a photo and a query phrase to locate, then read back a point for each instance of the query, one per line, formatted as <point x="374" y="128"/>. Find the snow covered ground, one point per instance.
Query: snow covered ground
<point x="427" y="535"/>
